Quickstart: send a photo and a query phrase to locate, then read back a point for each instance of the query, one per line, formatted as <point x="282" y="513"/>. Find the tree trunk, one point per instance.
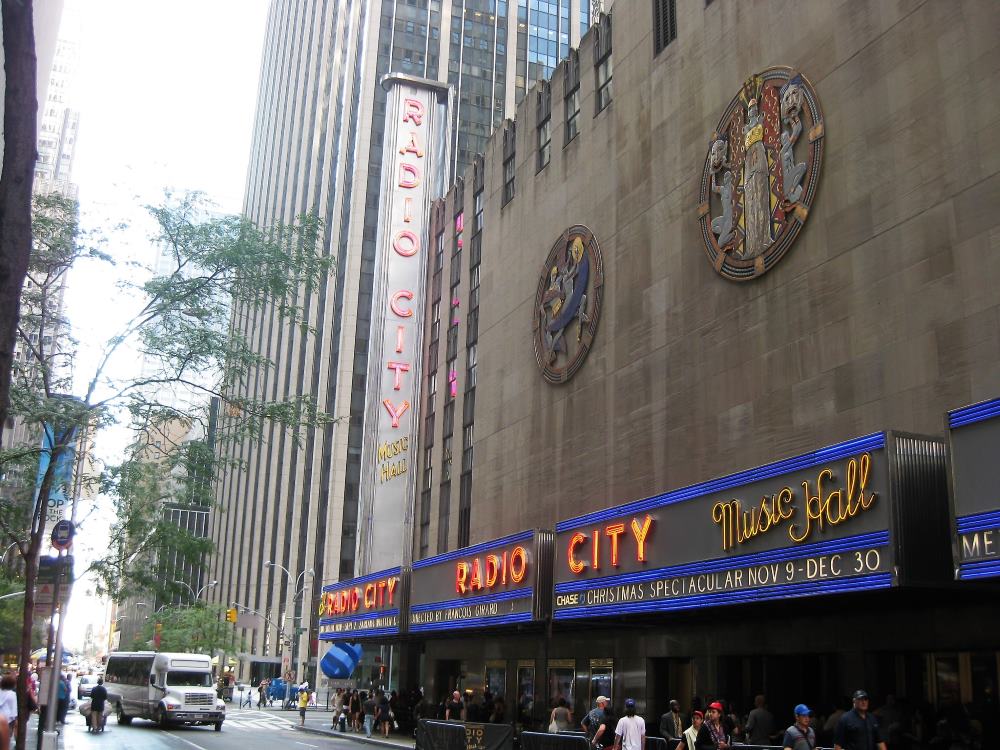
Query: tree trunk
<point x="35" y="541"/>
<point x="20" y="118"/>
<point x="30" y="574"/>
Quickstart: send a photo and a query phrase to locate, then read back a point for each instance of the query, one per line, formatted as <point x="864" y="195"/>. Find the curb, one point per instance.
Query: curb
<point x="353" y="736"/>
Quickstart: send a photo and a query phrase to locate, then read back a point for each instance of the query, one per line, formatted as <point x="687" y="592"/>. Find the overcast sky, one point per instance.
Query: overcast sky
<point x="166" y="91"/>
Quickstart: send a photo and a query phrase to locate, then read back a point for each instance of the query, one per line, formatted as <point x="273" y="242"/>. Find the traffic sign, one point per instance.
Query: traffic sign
<point x="62" y="534"/>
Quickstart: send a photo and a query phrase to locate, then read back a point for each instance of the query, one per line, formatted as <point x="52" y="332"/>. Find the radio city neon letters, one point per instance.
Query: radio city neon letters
<point x="492" y="571"/>
<point x="406" y="244"/>
<point x="639" y="532"/>
<point x="374" y="595"/>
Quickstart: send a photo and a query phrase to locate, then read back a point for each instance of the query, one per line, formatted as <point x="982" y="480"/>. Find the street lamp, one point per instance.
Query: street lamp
<point x="9" y="596"/>
<point x="297" y="617"/>
<point x="194" y="595"/>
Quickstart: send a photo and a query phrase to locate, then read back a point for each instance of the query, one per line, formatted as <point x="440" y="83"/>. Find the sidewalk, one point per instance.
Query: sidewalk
<point x="318" y="722"/>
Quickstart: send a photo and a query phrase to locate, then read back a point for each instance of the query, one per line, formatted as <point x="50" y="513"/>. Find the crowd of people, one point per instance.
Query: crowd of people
<point x="712" y="724"/>
<point x="715" y="724"/>
<point x="8" y="703"/>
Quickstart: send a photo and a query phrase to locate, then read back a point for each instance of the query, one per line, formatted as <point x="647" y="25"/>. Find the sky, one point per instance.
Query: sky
<point x="166" y="91"/>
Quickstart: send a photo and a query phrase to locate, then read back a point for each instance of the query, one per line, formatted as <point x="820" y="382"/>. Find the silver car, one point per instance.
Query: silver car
<point x="84" y="685"/>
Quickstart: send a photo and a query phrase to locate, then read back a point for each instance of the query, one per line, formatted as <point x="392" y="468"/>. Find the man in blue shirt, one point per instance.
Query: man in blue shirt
<point x="858" y="729"/>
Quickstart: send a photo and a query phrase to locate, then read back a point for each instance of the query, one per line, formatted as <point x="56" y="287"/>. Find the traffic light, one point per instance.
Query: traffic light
<point x="231" y="615"/>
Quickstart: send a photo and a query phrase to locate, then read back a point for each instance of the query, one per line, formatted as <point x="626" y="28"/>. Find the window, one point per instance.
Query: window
<point x="477" y="219"/>
<point x="446" y="459"/>
<point x="425" y="523"/>
<point x="439" y="252"/>
<point x="604" y="83"/>
<point x="464" y="509"/>
<point x="544" y="142"/>
<point x="572" y="114"/>
<point x="428" y="469"/>
<point x="508" y="179"/>
<point x="444" y="510"/>
<point x="664" y="23"/>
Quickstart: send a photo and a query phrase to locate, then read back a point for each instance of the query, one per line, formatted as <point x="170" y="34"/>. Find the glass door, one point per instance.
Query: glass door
<point x="495" y="692"/>
<point x="525" y="694"/>
<point x="602" y="673"/>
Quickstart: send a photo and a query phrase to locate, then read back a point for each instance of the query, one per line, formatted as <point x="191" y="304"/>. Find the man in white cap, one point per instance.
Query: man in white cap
<point x="592" y="721"/>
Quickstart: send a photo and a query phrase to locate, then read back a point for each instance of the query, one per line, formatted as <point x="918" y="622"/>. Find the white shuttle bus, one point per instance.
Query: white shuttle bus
<point x="166" y="688"/>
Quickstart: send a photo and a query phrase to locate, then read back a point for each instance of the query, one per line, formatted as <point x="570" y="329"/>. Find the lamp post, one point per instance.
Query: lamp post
<point x="296" y="618"/>
<point x="197" y="595"/>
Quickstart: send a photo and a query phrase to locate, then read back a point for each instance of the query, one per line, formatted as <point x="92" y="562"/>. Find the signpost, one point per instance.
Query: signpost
<point x="62" y="535"/>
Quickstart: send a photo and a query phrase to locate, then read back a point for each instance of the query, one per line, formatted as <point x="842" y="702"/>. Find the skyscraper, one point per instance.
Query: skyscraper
<point x="317" y="148"/>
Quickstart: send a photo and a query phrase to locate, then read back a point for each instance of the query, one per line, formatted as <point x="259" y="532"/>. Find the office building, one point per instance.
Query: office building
<point x="317" y="148"/>
<point x="711" y="310"/>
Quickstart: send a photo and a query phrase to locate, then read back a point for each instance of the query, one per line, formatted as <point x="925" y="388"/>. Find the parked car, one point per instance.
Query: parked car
<point x="84" y="685"/>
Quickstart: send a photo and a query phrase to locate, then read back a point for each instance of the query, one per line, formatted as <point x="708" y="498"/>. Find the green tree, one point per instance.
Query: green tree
<point x="196" y="629"/>
<point x="221" y="269"/>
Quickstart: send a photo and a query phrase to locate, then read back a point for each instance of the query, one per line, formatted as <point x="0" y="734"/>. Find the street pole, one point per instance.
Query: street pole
<point x="53" y="662"/>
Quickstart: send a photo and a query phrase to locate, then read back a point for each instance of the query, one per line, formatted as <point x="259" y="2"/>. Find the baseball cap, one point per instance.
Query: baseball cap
<point x="629" y="703"/>
<point x="699" y="714"/>
<point x="803" y="710"/>
<point x="602" y="699"/>
<point x="860" y="695"/>
<point x="716" y="705"/>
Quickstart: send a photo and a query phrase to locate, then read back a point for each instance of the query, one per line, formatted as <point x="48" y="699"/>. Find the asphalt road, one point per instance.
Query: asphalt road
<point x="242" y="730"/>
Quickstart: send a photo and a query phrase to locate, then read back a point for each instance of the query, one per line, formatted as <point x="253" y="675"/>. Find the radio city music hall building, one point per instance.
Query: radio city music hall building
<point x="701" y="333"/>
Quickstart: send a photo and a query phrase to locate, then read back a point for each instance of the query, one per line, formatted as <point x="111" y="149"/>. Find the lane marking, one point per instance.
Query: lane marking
<point x="305" y="743"/>
<point x="186" y="742"/>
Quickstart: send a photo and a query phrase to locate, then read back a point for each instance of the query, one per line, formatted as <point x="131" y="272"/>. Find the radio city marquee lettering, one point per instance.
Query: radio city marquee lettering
<point x="809" y="524"/>
<point x="819" y="506"/>
<point x="974" y="433"/>
<point x="491" y="572"/>
<point x="414" y="160"/>
<point x="362" y="604"/>
<point x="489" y="584"/>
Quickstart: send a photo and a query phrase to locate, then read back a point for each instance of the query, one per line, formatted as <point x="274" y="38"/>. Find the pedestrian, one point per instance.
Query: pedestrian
<point x="8" y="709"/>
<point x="604" y="737"/>
<point x="800" y="736"/>
<point x="303" y="704"/>
<point x="858" y="729"/>
<point x="697" y="733"/>
<point x="630" y="733"/>
<point x="760" y="723"/>
<point x="673" y="722"/>
<point x="713" y="723"/>
<point x="383" y="713"/>
<point x="98" y="700"/>
<point x="355" y="705"/>
<point x="245" y="696"/>
<point x="453" y="709"/>
<point x="369" y="707"/>
<point x="63" y="691"/>
<point x="338" y="707"/>
<point x="561" y="718"/>
<point x="592" y="721"/>
<point x="262" y="693"/>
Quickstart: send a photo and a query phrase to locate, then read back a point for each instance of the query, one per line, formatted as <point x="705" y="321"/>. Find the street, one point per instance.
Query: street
<point x="244" y="729"/>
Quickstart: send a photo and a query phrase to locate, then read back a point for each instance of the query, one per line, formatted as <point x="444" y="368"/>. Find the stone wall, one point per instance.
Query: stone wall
<point x="883" y="315"/>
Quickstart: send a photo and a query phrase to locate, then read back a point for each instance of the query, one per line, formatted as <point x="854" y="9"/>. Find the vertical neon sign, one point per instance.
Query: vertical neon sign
<point x="414" y="169"/>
